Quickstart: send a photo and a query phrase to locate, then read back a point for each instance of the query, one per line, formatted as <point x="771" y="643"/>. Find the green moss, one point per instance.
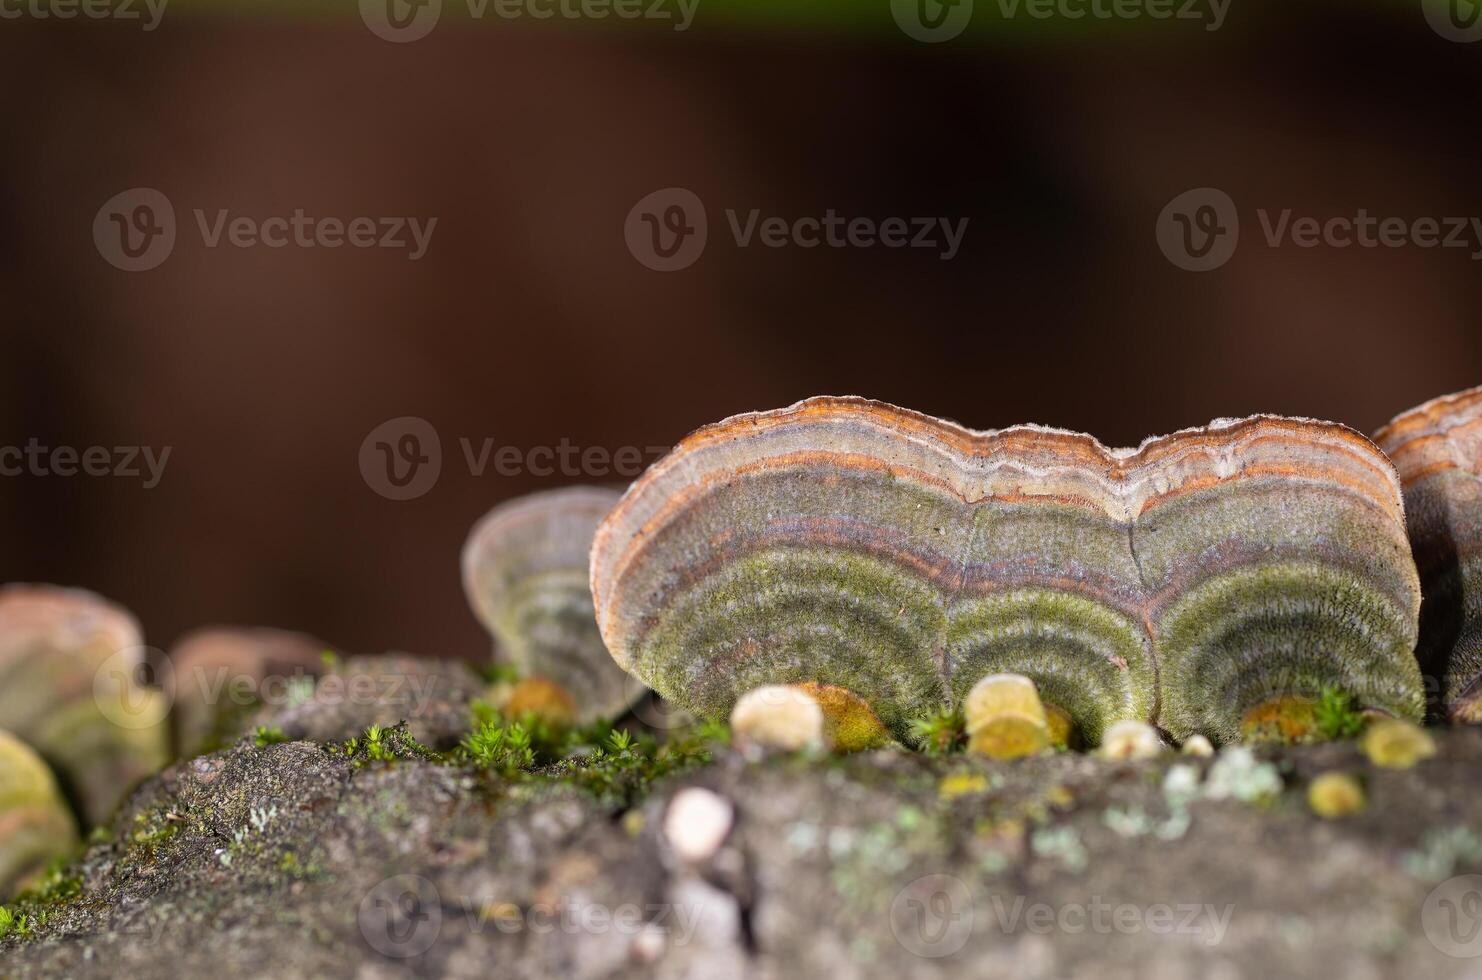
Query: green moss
<point x="382" y="744"/>
<point x="266" y="735"/>
<point x="61" y="883"/>
<point x="14" y="923"/>
<point x="1338" y="717"/>
<point x="940" y="733"/>
<point x="492" y="746"/>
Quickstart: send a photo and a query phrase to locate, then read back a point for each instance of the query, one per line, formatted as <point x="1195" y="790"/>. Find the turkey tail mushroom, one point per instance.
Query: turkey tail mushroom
<point x="525" y="570"/>
<point x="1199" y="580"/>
<point x="1437" y="448"/>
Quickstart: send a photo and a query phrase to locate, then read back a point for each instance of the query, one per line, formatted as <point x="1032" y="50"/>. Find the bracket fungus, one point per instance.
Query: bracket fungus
<point x="1437" y="448"/>
<point x="35" y="824"/>
<point x="1201" y="581"/>
<point x="70" y="688"/>
<point x="220" y="668"/>
<point x="525" y="573"/>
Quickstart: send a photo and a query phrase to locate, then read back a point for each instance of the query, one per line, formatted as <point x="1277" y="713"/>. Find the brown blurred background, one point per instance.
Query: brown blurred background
<point x="528" y="321"/>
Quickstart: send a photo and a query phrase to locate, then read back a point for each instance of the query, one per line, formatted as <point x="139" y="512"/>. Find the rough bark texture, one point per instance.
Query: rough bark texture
<point x="274" y="862"/>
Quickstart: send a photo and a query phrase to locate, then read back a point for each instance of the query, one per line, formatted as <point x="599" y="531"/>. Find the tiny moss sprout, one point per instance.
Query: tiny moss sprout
<point x="940" y="733"/>
<point x="13" y="923"/>
<point x="1337" y="716"/>
<point x="492" y="746"/>
<point x="266" y="735"/>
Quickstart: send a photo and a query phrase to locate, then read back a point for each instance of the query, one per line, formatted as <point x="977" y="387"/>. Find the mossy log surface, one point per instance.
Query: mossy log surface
<point x="269" y="861"/>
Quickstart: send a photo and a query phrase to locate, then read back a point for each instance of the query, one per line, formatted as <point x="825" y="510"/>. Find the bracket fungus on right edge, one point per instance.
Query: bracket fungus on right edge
<point x="1437" y="448"/>
<point x="1213" y="581"/>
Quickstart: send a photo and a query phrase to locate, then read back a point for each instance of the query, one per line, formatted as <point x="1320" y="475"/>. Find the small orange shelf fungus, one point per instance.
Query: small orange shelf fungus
<point x="71" y="666"/>
<point x="1393" y="744"/>
<point x="1188" y="582"/>
<point x="36" y="826"/>
<point x="221" y="668"/>
<point x="1335" y="795"/>
<point x="848" y="723"/>
<point x="544" y="699"/>
<point x="1437" y="449"/>
<point x="525" y="570"/>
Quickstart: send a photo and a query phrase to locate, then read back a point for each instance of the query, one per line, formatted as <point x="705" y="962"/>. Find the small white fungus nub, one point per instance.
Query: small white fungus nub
<point x="777" y="716"/>
<point x="697" y="823"/>
<point x="1131" y="739"/>
<point x="1197" y="745"/>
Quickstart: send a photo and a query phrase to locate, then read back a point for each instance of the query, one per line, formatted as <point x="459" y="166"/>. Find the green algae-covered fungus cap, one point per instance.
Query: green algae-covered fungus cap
<point x="526" y="575"/>
<point x="35" y="824"/>
<point x="70" y="687"/>
<point x="1186" y="582"/>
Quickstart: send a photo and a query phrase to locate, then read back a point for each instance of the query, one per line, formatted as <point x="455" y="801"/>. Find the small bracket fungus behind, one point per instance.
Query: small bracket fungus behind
<point x="1005" y="719"/>
<point x="1191" y="581"/>
<point x="1437" y="448"/>
<point x="35" y="824"/>
<point x="525" y="570"/>
<point x="221" y="668"/>
<point x="69" y="687"/>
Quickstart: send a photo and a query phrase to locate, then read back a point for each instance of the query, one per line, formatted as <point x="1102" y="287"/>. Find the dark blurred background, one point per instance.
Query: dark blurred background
<point x="529" y="322"/>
